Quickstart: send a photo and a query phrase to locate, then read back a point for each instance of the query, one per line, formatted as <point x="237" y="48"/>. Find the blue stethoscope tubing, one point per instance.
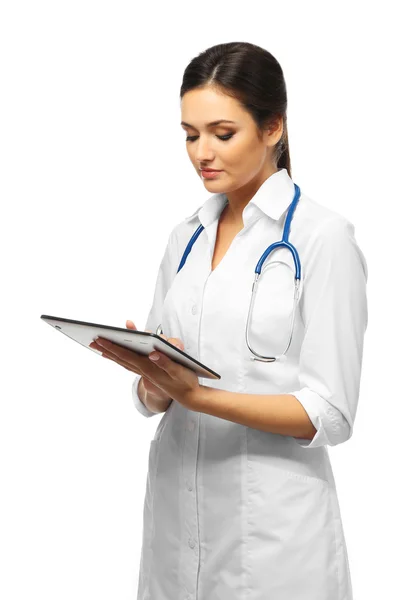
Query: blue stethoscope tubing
<point x="283" y="243"/>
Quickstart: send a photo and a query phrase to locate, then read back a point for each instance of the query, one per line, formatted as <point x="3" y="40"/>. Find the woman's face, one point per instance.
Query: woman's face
<point x="234" y="148"/>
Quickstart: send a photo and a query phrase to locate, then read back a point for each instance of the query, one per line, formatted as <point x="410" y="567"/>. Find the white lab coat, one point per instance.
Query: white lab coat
<point x="232" y="512"/>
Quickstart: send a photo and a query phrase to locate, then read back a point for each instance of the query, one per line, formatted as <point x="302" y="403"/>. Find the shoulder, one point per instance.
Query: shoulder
<point x="318" y="221"/>
<point x="327" y="235"/>
<point x="319" y="227"/>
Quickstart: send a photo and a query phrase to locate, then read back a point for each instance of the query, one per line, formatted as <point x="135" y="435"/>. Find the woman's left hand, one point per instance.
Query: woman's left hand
<point x="180" y="383"/>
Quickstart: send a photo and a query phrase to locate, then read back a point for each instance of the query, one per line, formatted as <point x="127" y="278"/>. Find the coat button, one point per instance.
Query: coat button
<point x="194" y="309"/>
<point x="189" y="487"/>
<point x="191" y="543"/>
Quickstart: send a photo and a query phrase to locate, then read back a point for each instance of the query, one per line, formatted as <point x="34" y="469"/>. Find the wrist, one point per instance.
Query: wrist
<point x="152" y="403"/>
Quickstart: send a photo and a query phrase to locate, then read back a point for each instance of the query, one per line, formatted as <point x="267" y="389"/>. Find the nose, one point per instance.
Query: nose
<point x="204" y="153"/>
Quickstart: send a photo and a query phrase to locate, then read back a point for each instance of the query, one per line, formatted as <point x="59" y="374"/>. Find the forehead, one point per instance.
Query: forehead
<point x="203" y="107"/>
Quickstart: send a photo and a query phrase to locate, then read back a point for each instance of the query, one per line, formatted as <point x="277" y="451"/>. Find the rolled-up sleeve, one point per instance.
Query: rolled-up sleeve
<point x="166" y="273"/>
<point x="334" y="310"/>
<point x="139" y="405"/>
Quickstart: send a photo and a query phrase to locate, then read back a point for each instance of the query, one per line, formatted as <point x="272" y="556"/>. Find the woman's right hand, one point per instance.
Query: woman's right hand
<point x="150" y="388"/>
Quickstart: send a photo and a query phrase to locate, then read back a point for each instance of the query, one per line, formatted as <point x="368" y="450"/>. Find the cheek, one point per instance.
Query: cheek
<point x="241" y="147"/>
<point x="247" y="155"/>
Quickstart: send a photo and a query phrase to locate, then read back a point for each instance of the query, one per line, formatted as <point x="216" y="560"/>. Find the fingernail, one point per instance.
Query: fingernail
<point x="154" y="356"/>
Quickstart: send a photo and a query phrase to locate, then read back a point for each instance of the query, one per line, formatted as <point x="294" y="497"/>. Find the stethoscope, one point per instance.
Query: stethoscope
<point x="284" y="243"/>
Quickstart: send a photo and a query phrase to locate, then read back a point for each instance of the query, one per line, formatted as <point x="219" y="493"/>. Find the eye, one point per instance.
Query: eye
<point x="224" y="138"/>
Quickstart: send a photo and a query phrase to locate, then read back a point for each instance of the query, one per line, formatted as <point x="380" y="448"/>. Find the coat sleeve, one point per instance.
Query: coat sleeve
<point x="334" y="310"/>
<point x="166" y="273"/>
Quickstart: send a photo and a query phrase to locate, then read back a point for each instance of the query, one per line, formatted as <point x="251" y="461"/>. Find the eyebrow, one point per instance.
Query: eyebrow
<point x="212" y="124"/>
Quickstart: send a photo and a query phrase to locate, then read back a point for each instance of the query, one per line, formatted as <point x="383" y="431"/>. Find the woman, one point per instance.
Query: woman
<point x="241" y="500"/>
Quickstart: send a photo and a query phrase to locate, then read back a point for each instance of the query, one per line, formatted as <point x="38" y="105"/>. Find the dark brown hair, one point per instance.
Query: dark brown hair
<point x="252" y="76"/>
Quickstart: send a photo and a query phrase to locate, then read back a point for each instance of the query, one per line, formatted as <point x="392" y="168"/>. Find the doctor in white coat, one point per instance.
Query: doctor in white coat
<point x="241" y="502"/>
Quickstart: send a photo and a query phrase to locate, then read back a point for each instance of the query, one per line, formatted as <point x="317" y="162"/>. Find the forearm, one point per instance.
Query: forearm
<point x="154" y="405"/>
<point x="281" y="413"/>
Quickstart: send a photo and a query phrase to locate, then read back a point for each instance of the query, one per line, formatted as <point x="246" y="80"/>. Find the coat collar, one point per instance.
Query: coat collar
<point x="273" y="198"/>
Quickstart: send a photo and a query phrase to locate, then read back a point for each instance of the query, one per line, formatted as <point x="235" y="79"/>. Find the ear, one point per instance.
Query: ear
<point x="274" y="131"/>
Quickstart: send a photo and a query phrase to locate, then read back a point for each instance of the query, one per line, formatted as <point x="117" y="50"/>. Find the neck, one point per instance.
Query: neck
<point x="238" y="199"/>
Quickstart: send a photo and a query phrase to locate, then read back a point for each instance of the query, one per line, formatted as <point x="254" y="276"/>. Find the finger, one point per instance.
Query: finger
<point x="166" y="364"/>
<point x="176" y="342"/>
<point x="117" y="353"/>
<point x="128" y="359"/>
<point x="127" y="365"/>
<point x="121" y="363"/>
<point x="130" y="324"/>
<point x="151" y="372"/>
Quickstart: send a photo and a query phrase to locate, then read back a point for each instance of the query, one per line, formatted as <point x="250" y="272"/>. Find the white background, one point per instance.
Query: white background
<point x="94" y="175"/>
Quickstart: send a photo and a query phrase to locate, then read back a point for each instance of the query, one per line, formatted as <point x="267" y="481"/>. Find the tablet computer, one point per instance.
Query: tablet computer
<point x="141" y="342"/>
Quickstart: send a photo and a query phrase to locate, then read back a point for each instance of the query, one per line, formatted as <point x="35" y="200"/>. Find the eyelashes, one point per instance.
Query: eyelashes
<point x="224" y="138"/>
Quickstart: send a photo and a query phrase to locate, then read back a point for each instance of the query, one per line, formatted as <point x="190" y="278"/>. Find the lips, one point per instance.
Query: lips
<point x="211" y="170"/>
